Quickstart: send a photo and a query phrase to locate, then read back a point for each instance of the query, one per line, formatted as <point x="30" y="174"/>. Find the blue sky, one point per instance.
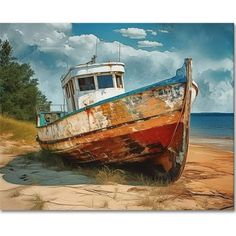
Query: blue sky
<point x="151" y="52"/>
<point x="176" y="37"/>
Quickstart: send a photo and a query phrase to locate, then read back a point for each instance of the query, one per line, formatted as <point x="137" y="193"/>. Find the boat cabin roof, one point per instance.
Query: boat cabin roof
<point x="92" y="69"/>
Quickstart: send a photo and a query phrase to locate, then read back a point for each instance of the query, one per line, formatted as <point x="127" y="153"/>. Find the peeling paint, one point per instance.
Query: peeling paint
<point x="149" y="126"/>
<point x="132" y="108"/>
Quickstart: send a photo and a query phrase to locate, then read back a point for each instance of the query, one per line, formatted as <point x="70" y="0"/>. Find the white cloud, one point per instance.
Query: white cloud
<point x="50" y="49"/>
<point x="205" y="64"/>
<point x="65" y="27"/>
<point x="48" y="37"/>
<point x="136" y="33"/>
<point x="84" y="39"/>
<point x="133" y="33"/>
<point x="152" y="32"/>
<point x="19" y="31"/>
<point x="216" y="91"/>
<point x="163" y="31"/>
<point x="149" y="44"/>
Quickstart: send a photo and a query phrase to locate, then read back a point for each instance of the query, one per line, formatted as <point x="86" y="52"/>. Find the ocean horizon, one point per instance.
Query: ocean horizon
<point x="212" y="125"/>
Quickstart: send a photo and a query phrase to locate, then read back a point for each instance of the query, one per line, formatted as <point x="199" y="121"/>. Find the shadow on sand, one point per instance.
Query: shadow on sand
<point x="39" y="168"/>
<point x="47" y="169"/>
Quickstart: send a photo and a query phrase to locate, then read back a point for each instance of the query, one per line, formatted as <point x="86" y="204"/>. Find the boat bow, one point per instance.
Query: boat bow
<point x="148" y="127"/>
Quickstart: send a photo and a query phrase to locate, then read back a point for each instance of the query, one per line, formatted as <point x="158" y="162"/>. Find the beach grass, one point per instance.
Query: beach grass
<point x="17" y="130"/>
<point x="108" y="175"/>
<point x="155" y="199"/>
<point x="15" y="193"/>
<point x="17" y="150"/>
<point x="152" y="203"/>
<point x="51" y="160"/>
<point x="144" y="180"/>
<point x="105" y="204"/>
<point x="38" y="201"/>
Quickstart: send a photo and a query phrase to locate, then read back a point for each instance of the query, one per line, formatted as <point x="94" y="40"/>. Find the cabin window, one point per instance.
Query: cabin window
<point x="119" y="83"/>
<point x="105" y="81"/>
<point x="86" y="83"/>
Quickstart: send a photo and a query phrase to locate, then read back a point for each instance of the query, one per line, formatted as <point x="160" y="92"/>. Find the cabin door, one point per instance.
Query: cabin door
<point x="72" y="91"/>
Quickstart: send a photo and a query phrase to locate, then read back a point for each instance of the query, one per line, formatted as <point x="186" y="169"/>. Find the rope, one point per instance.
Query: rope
<point x="181" y="115"/>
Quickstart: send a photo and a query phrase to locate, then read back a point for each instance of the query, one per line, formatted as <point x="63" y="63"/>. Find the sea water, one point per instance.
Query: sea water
<point x="212" y="125"/>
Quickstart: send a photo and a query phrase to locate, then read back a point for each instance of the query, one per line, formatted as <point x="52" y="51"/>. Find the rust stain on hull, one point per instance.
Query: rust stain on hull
<point x="151" y="128"/>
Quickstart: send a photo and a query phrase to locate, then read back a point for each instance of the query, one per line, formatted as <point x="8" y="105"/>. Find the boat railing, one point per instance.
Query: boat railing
<point x="51" y="114"/>
<point x="57" y="107"/>
<point x="51" y="107"/>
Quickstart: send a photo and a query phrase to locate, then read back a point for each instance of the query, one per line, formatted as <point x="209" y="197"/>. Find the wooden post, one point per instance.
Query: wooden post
<point x="186" y="111"/>
<point x="188" y="65"/>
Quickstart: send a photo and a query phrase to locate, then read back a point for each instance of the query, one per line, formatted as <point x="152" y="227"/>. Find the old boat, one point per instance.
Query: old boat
<point x="147" y="127"/>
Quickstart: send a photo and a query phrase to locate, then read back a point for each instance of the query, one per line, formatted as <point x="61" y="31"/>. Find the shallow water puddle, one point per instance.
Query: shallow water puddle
<point x="43" y="168"/>
<point x="30" y="171"/>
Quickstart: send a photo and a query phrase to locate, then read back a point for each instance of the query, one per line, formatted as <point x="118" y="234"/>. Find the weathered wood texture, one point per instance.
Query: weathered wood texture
<point x="135" y="107"/>
<point x="151" y="127"/>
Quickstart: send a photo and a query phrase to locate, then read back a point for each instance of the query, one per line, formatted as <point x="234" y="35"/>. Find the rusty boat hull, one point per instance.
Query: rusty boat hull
<point x="148" y="127"/>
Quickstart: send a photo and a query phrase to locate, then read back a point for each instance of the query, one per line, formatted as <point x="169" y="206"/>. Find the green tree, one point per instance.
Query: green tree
<point x="5" y="53"/>
<point x="19" y="92"/>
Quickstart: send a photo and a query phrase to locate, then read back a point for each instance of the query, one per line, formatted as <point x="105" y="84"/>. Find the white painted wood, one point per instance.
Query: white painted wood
<point x="88" y="97"/>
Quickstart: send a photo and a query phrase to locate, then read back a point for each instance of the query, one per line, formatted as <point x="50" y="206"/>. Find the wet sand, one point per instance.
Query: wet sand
<point x="207" y="183"/>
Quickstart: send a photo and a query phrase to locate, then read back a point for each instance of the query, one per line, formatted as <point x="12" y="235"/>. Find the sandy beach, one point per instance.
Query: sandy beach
<point x="207" y="183"/>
